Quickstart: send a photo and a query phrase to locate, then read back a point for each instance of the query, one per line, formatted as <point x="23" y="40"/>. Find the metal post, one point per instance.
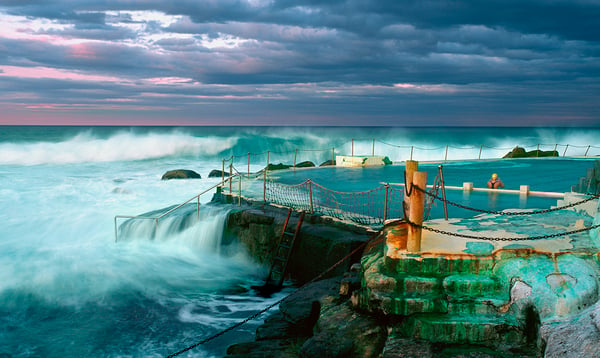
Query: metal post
<point x="556" y="145"/>
<point x="265" y="179"/>
<point x="352" y="146"/>
<point x="443" y="193"/>
<point x="537" y="152"/>
<point x="198" y="208"/>
<point x="239" y="190"/>
<point x="248" y="164"/>
<point x="385" y="203"/>
<point x="480" y="149"/>
<point x="411" y="152"/>
<point x="373" y="146"/>
<point x="223" y="173"/>
<point x="310" y="195"/>
<point x="446" y="155"/>
<point x="565" y="152"/>
<point x="295" y="156"/>
<point x="116" y="235"/>
<point x="586" y="151"/>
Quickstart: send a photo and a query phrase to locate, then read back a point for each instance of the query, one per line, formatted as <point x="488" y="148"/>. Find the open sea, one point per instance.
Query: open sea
<point x="67" y="289"/>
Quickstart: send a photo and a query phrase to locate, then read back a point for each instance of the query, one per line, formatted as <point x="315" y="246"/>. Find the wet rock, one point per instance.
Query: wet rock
<point x="400" y="347"/>
<point x="576" y="336"/>
<point x="217" y="174"/>
<point x="343" y="332"/>
<point x="180" y="174"/>
<point x="300" y="307"/>
<point x="273" y="348"/>
<point x="279" y="166"/>
<point x="519" y="152"/>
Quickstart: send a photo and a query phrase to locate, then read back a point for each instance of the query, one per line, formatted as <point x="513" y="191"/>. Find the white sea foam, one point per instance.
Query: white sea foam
<point x="123" y="146"/>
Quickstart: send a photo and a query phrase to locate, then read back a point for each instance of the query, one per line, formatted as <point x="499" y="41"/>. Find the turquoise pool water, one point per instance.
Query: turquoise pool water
<point x="542" y="174"/>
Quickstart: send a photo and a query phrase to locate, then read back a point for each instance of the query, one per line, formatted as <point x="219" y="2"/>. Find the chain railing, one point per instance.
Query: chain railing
<point x="399" y="153"/>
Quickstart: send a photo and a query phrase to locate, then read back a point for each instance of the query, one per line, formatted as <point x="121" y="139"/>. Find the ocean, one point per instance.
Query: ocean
<point x="67" y="289"/>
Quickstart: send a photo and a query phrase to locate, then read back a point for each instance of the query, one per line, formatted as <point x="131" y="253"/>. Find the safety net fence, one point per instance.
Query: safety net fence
<point x="371" y="207"/>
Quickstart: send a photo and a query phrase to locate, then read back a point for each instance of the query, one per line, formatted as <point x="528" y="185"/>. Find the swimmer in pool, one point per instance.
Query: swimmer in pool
<point x="495" y="182"/>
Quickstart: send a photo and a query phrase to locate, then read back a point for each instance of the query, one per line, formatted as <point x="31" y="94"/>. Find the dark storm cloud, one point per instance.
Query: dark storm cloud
<point x="391" y="59"/>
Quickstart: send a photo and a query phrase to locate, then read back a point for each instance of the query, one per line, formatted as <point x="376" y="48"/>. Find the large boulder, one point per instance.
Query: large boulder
<point x="305" y="164"/>
<point x="519" y="152"/>
<point x="217" y="174"/>
<point x="279" y="166"/>
<point x="180" y="174"/>
<point x="328" y="163"/>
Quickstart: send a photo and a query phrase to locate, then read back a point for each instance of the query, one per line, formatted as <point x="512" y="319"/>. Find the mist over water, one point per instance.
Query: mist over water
<point x="68" y="289"/>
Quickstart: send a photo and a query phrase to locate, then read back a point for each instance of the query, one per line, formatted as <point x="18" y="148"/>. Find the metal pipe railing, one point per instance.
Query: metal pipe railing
<point x="156" y="218"/>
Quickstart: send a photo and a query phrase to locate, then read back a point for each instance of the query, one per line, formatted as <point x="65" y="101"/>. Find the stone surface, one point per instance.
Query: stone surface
<point x="275" y="348"/>
<point x="180" y="174"/>
<point x="343" y="332"/>
<point x="574" y="337"/>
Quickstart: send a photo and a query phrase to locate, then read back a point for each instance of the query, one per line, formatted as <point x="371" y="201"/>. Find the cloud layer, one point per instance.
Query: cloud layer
<point x="353" y="62"/>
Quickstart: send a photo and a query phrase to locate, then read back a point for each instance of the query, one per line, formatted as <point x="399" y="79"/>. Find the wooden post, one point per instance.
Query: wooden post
<point x="417" y="205"/>
<point x="411" y="167"/>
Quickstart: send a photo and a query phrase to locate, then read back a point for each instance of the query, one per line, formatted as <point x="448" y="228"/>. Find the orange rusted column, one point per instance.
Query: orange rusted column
<point x="417" y="205"/>
<point x="411" y="167"/>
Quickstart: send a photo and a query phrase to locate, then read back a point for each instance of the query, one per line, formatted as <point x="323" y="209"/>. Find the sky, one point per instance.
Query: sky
<point x="309" y="62"/>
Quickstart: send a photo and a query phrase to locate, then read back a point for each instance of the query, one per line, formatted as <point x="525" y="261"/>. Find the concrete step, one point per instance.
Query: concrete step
<point x="465" y="329"/>
<point x="470" y="285"/>
<point x="419" y="285"/>
<point x="406" y="305"/>
<point x="440" y="266"/>
<point x="476" y="306"/>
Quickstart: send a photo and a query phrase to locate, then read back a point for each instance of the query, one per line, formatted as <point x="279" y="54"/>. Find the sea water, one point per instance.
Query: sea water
<point x="68" y="289"/>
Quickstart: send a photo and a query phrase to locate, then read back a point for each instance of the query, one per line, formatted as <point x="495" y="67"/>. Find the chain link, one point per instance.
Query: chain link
<point x="541" y="237"/>
<point x="509" y="213"/>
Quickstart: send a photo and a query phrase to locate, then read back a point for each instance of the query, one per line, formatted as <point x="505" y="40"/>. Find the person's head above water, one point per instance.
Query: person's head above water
<point x="494" y="176"/>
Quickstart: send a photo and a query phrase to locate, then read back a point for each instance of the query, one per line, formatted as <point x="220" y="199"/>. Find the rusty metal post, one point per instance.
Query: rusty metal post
<point x="417" y="205"/>
<point x="223" y="173"/>
<point x="446" y="155"/>
<point x="198" y="208"/>
<point x="295" y="156"/>
<point x="333" y="156"/>
<point x="586" y="151"/>
<point x="411" y="152"/>
<point x="443" y="184"/>
<point x="537" y="152"/>
<point x="480" y="149"/>
<point x="385" y="203"/>
<point x="310" y="195"/>
<point x="230" y="175"/>
<point x="248" y="164"/>
<point x="352" y="146"/>
<point x="565" y="152"/>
